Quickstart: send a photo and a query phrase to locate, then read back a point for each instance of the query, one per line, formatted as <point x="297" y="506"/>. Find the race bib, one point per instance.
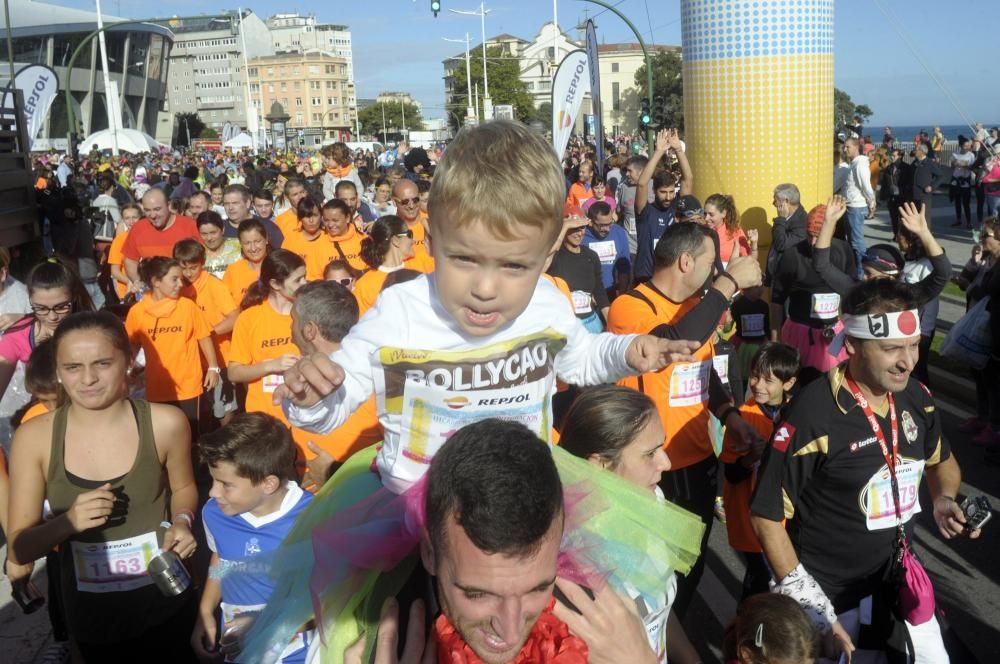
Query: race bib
<point x="431" y="416"/>
<point x="582" y="302"/>
<point x="689" y="383"/>
<point x="116" y="566"/>
<point x="721" y="364"/>
<point x="752" y="325"/>
<point x="271" y="382"/>
<point x="605" y="250"/>
<point x="231" y="611"/>
<point x="877" y="500"/>
<point x="825" y="306"/>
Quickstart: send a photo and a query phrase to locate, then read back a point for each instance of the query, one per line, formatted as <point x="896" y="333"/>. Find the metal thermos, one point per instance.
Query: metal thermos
<point x="169" y="573"/>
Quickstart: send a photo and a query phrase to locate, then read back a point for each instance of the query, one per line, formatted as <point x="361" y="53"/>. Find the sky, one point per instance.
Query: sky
<point x="399" y="45"/>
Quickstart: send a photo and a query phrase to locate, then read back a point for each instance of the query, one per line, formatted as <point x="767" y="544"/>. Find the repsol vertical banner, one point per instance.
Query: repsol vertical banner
<point x="568" y="87"/>
<point x="39" y="85"/>
<point x="595" y="91"/>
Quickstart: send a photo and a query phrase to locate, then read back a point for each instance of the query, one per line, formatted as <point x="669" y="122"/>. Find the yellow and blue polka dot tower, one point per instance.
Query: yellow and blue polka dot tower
<point x="758" y="101"/>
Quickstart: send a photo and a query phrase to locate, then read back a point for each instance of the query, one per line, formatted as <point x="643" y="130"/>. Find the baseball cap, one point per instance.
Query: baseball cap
<point x="885" y="258"/>
<point x="689" y="206"/>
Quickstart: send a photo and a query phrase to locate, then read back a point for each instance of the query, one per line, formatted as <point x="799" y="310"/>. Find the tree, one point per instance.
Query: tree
<point x="370" y="118"/>
<point x="208" y="133"/>
<point x="844" y="109"/>
<point x="543" y="113"/>
<point x="188" y="124"/>
<point x="667" y="83"/>
<point x="506" y="86"/>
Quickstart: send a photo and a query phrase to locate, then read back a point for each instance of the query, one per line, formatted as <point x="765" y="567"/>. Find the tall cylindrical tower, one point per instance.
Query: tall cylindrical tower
<point x="758" y="100"/>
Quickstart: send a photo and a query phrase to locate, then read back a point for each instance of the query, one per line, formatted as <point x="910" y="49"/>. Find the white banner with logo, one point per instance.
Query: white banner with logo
<point x="39" y="85"/>
<point x="570" y="84"/>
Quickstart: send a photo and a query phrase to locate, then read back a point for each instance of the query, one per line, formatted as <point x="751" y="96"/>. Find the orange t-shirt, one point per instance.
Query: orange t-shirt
<point x="736" y="497"/>
<point x="287" y="222"/>
<point x="350" y="245"/>
<point x="145" y="241"/>
<point x="421" y="261"/>
<point x="33" y="412"/>
<point x="262" y="334"/>
<point x="238" y="277"/>
<point x="116" y="257"/>
<point x="361" y="430"/>
<point x="561" y="284"/>
<point x="215" y="302"/>
<point x="169" y="331"/>
<point x="679" y="390"/>
<point x="314" y="252"/>
<point x="367" y="289"/>
<point x="578" y="194"/>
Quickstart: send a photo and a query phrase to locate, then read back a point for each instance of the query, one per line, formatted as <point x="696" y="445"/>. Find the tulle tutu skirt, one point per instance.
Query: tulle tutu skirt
<point x="356" y="543"/>
<point x="814" y="350"/>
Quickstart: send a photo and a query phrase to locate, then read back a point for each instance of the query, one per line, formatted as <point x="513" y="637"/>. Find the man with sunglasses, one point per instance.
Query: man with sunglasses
<point x="684" y="299"/>
<point x="406" y="196"/>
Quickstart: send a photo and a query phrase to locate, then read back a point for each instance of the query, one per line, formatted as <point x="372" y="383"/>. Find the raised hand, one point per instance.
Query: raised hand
<point x="836" y="205"/>
<point x="913" y="218"/>
<point x="309" y="381"/>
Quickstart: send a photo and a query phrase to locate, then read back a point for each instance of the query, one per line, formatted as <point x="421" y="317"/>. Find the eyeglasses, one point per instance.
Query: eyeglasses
<point x="61" y="308"/>
<point x="408" y="201"/>
<point x="345" y="282"/>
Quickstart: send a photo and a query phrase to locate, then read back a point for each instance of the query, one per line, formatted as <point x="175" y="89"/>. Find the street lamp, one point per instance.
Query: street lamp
<point x="487" y="103"/>
<point x="468" y="76"/>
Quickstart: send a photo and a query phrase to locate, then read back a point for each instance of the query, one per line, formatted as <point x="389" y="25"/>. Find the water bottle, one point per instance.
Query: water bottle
<point x="169" y="573"/>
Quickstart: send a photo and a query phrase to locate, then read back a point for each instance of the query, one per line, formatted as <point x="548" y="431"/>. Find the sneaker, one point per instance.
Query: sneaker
<point x="987" y="438"/>
<point x="972" y="425"/>
<point x="56" y="653"/>
<point x="720" y="511"/>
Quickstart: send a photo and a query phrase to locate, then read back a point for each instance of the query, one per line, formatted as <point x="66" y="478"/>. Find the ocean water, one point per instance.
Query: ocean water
<point x="907" y="132"/>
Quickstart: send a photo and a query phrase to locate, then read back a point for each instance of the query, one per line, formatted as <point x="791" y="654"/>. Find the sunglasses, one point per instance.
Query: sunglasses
<point x="345" y="282"/>
<point x="407" y="234"/>
<point x="408" y="201"/>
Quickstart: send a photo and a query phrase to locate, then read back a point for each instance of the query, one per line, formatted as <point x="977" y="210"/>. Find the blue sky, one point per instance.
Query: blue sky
<point x="398" y="45"/>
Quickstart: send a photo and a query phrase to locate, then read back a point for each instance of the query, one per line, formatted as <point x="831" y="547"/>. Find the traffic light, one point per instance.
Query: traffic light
<point x="645" y="117"/>
<point x="659" y="113"/>
<point x="435" y="7"/>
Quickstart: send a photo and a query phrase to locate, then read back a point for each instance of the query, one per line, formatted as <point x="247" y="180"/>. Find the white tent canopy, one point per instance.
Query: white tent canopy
<point x="129" y="140"/>
<point x="242" y="140"/>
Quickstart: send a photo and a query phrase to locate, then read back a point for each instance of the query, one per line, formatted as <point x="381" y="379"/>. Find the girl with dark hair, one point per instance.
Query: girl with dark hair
<point x="54" y="292"/>
<point x="618" y="429"/>
<point x="241" y="274"/>
<point x="381" y="202"/>
<point x="171" y="330"/>
<point x="261" y="348"/>
<point x="113" y="470"/>
<point x="388" y="245"/>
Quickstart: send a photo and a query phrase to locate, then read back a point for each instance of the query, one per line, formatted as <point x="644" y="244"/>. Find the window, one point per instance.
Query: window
<point x="331" y="101"/>
<point x="298" y="102"/>
<point x="315" y="85"/>
<point x="284" y="86"/>
<point x="299" y="119"/>
<point x="317" y="101"/>
<point x="284" y="102"/>
<point x="313" y="69"/>
<point x="551" y="50"/>
<point x="270" y="87"/>
<point x="614" y="67"/>
<point x="270" y="71"/>
<point x="317" y="117"/>
<point x="331" y="85"/>
<point x="329" y="69"/>
<point x="298" y="85"/>
<point x="616" y="99"/>
<point x="530" y="85"/>
<point x="253" y="71"/>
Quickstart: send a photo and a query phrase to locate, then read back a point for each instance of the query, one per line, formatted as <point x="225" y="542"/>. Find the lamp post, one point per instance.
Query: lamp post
<point x="651" y="135"/>
<point x="487" y="103"/>
<point x="468" y="76"/>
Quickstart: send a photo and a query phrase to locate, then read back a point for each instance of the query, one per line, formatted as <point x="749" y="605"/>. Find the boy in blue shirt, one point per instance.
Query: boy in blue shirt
<point x="252" y="506"/>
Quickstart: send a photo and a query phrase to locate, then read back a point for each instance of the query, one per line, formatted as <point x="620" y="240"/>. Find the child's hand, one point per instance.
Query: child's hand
<point x="648" y="353"/>
<point x="203" y="638"/>
<point x="309" y="381"/>
<point x="317" y="468"/>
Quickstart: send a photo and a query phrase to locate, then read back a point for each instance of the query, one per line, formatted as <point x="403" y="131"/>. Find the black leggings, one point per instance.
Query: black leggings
<point x="963" y="199"/>
<point x="693" y="488"/>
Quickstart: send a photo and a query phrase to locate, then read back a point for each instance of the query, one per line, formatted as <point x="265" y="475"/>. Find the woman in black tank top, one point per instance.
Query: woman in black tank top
<point x="116" y="473"/>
